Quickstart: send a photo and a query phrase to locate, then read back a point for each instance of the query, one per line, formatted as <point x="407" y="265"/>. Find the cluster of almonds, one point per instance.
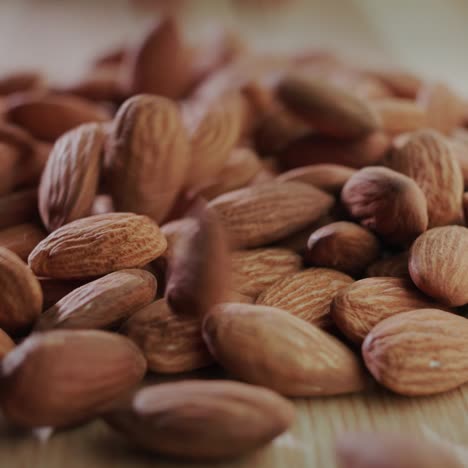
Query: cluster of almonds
<point x="311" y="243"/>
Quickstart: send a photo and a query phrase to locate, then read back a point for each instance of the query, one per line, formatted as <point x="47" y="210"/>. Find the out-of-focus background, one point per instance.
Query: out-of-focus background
<point x="426" y="36"/>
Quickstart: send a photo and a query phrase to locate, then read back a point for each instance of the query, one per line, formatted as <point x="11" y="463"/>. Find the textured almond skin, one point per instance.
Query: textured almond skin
<point x="64" y="377"/>
<point x="264" y="213"/>
<point x="388" y="203"/>
<point x="103" y="303"/>
<point x="148" y="156"/>
<point x="343" y="246"/>
<point x="22" y="239"/>
<point x="438" y="264"/>
<point x="255" y="270"/>
<point x="395" y="266"/>
<point x="21" y="294"/>
<point x="429" y="159"/>
<point x="203" y="420"/>
<point x="328" y="108"/>
<point x="6" y="344"/>
<point x="171" y="342"/>
<point x="70" y="179"/>
<point x="307" y="294"/>
<point x="421" y="352"/>
<point x="362" y="305"/>
<point x="295" y="358"/>
<point x="98" y="245"/>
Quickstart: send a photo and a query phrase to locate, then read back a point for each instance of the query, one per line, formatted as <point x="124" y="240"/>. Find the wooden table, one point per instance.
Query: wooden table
<point x="428" y="36"/>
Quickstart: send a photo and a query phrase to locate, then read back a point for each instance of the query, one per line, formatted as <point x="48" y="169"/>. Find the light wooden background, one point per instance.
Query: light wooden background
<point x="427" y="36"/>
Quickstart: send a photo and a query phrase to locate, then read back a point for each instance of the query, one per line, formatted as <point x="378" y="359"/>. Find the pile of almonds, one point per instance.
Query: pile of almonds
<point x="297" y="220"/>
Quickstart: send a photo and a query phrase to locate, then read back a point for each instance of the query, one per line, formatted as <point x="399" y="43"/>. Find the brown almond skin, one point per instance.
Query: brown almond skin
<point x="395" y="266"/>
<point x="10" y="158"/>
<point x="171" y="342"/>
<point x="203" y="420"/>
<point x="328" y="108"/>
<point x="357" y="308"/>
<point x="20" y="81"/>
<point x="21" y="294"/>
<point x="429" y="159"/>
<point x="70" y="179"/>
<point x="63" y="377"/>
<point x="101" y="304"/>
<point x="422" y="352"/>
<point x="402" y="83"/>
<point x="55" y="289"/>
<point x="6" y="344"/>
<point x="388" y="203"/>
<point x="343" y="246"/>
<point x="295" y="358"/>
<point x="22" y="239"/>
<point x="29" y="175"/>
<point x="98" y="245"/>
<point x="307" y="294"/>
<point x="459" y="143"/>
<point x="264" y="213"/>
<point x="147" y="156"/>
<point x="438" y="264"/>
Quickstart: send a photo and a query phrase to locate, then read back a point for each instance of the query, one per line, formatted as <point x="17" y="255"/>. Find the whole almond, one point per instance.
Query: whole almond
<point x="343" y="246"/>
<point x="395" y="266"/>
<point x="98" y="245"/>
<point x="363" y="304"/>
<point x="171" y="342"/>
<point x="22" y="239"/>
<point x="64" y="377"/>
<point x="388" y="203"/>
<point x="20" y="81"/>
<point x="264" y="213"/>
<point x="421" y="352"/>
<point x="148" y="156"/>
<point x="103" y="303"/>
<point x="295" y="358"/>
<point x="429" y="159"/>
<point x="203" y="420"/>
<point x="438" y="264"/>
<point x="307" y="294"/>
<point x="70" y="179"/>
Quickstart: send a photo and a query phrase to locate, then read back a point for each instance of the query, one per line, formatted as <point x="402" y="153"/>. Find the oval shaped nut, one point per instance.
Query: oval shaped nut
<point x="6" y="344"/>
<point x="64" y="377"/>
<point x="343" y="246"/>
<point x="307" y="294"/>
<point x="255" y="270"/>
<point x="395" y="266"/>
<point x="203" y="420"/>
<point x="21" y="294"/>
<point x="147" y="156"/>
<point x="421" y="352"/>
<point x="328" y="177"/>
<point x="18" y="208"/>
<point x="388" y="203"/>
<point x="49" y="116"/>
<point x="70" y="179"/>
<point x="257" y="215"/>
<point x="103" y="303"/>
<point x="438" y="264"/>
<point x="328" y="108"/>
<point x="358" y="308"/>
<point x="170" y="342"/>
<point x="22" y="239"/>
<point x="295" y="358"/>
<point x="98" y="245"/>
<point x="429" y="159"/>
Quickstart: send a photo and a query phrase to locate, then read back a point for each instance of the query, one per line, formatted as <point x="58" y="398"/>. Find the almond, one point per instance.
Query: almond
<point x="21" y="81"/>
<point x="342" y="246"/>
<point x="428" y="158"/>
<point x="264" y="213"/>
<point x="147" y="155"/>
<point x="421" y="352"/>
<point x="203" y="420"/>
<point x="363" y="304"/>
<point x="31" y="166"/>
<point x="22" y="239"/>
<point x="98" y="245"/>
<point x="6" y="344"/>
<point x="389" y="203"/>
<point x="460" y="148"/>
<point x="70" y="179"/>
<point x="64" y="377"/>
<point x="9" y="162"/>
<point x="403" y="83"/>
<point x="295" y="358"/>
<point x="18" y="208"/>
<point x="395" y="266"/>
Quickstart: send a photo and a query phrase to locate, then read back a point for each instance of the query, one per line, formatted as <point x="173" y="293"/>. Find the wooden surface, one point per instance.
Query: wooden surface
<point x="428" y="36"/>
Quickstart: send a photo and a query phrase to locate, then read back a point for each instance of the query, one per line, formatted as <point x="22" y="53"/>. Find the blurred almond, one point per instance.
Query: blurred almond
<point x="6" y="344"/>
<point x="18" y="208"/>
<point x="403" y="83"/>
<point x="33" y="165"/>
<point x="394" y="266"/>
<point x="459" y="143"/>
<point x="465" y="204"/>
<point x="21" y="81"/>
<point x="10" y="158"/>
<point x="22" y="238"/>
<point x="55" y="289"/>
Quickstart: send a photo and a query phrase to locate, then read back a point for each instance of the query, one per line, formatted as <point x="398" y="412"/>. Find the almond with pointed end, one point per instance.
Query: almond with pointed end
<point x="295" y="358"/>
<point x="395" y="266"/>
<point x="18" y="208"/>
<point x="6" y="344"/>
<point x="64" y="377"/>
<point x="421" y="352"/>
<point x="203" y="420"/>
<point x="98" y="245"/>
<point x="22" y="239"/>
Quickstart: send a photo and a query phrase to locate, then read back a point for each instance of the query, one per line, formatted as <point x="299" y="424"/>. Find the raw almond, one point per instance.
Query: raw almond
<point x="395" y="266"/>
<point x="421" y="352"/>
<point x="6" y="344"/>
<point x="98" y="245"/>
<point x="22" y="239"/>
<point x="295" y="358"/>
